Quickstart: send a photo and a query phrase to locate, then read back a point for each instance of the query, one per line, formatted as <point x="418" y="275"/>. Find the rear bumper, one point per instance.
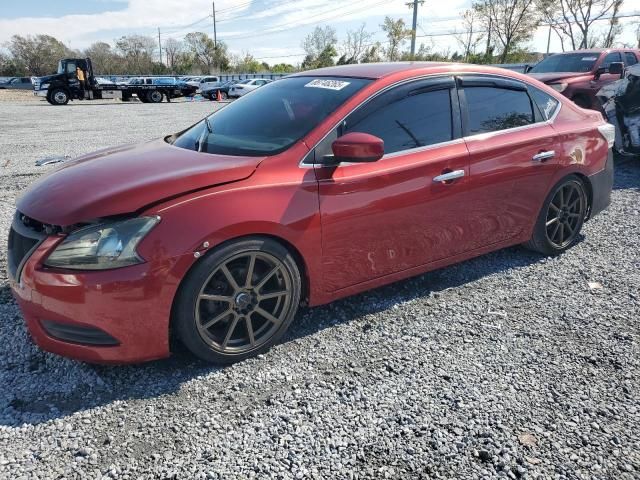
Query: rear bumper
<point x="601" y="187"/>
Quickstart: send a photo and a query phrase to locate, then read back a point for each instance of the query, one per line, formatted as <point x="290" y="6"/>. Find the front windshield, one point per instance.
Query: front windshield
<point x="270" y="119"/>
<point x="571" y="62"/>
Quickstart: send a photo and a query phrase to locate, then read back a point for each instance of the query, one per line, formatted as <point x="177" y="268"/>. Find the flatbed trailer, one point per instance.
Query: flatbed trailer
<point x="66" y="85"/>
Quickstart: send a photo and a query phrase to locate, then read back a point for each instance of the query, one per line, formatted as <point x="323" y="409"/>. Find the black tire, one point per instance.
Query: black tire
<point x="58" y="96"/>
<point x="224" y="95"/>
<point x="154" y="96"/>
<point x="561" y="217"/>
<point x="225" y="320"/>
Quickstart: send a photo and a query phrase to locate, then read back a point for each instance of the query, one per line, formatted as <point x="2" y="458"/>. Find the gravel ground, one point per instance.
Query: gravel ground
<point x="510" y="365"/>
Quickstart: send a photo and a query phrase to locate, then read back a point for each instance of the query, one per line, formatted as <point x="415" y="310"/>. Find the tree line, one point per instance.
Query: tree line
<point x="493" y="31"/>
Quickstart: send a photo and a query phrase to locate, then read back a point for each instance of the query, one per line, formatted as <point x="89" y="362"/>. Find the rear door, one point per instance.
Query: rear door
<point x="513" y="155"/>
<point x="394" y="214"/>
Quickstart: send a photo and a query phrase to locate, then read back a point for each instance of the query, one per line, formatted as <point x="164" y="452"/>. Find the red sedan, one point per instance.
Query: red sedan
<point x="318" y="186"/>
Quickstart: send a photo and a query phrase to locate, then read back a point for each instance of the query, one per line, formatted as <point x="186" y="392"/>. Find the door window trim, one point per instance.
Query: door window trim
<point x="305" y="163"/>
<point x="308" y="162"/>
<point x="525" y="85"/>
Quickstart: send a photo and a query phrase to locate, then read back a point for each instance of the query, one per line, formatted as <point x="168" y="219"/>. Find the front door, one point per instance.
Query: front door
<point x="388" y="216"/>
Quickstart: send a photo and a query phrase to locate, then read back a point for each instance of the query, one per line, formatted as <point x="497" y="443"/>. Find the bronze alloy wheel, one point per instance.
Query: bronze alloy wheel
<point x="243" y="303"/>
<point x="565" y="214"/>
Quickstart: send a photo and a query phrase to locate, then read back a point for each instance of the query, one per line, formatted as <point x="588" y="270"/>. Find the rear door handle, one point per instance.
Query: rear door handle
<point x="449" y="176"/>
<point x="543" y="156"/>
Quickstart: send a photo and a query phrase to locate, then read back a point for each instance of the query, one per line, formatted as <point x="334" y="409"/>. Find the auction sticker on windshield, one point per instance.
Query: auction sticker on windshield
<point x="328" y="84"/>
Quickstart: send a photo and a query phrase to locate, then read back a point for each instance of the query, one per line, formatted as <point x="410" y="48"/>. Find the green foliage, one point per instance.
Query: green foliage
<point x="36" y="55"/>
<point x="397" y="34"/>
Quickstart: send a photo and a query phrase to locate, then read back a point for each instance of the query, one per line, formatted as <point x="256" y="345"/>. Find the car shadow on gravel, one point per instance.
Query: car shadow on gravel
<point x="94" y="385"/>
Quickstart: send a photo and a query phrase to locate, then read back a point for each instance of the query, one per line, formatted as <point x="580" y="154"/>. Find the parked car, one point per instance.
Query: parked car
<point x="211" y="92"/>
<point x="203" y="82"/>
<point x="621" y="106"/>
<point x="579" y="75"/>
<point x="363" y="174"/>
<point x="245" y="86"/>
<point x="18" y="83"/>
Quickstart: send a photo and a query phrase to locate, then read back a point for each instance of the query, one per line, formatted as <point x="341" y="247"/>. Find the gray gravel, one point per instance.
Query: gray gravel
<point x="510" y="365"/>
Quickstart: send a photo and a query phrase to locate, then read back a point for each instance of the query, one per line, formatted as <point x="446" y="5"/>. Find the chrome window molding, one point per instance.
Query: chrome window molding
<point x="427" y="147"/>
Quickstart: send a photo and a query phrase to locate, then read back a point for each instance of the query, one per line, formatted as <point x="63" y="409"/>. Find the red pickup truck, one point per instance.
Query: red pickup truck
<point x="580" y="74"/>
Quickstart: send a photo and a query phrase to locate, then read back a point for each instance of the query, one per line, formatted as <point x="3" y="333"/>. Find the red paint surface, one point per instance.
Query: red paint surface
<point x="353" y="227"/>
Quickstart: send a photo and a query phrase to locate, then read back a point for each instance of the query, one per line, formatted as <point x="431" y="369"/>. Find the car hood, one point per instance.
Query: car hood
<point x="126" y="179"/>
<point x="558" y="76"/>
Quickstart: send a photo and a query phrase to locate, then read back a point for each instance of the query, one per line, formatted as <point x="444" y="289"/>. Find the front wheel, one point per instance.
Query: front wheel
<point x="238" y="300"/>
<point x="561" y="218"/>
<point x="58" y="97"/>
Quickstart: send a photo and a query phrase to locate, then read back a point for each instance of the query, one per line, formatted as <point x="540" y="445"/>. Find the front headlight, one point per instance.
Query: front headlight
<point x="558" y="87"/>
<point x="103" y="246"/>
<point x="45" y="86"/>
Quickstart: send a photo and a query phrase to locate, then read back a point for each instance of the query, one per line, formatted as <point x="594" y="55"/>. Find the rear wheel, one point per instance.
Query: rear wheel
<point x="224" y="95"/>
<point x="238" y="300"/>
<point x="58" y="96"/>
<point x="154" y="96"/>
<point x="561" y="218"/>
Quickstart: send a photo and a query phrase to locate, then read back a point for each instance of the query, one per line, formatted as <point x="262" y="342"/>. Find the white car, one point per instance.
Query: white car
<point x="245" y="86"/>
<point x="201" y="83"/>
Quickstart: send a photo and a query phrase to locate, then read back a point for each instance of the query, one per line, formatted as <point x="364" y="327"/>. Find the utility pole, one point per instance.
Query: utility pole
<point x="215" y="37"/>
<point x="414" y="5"/>
<point x="159" y="45"/>
<point x="549" y="40"/>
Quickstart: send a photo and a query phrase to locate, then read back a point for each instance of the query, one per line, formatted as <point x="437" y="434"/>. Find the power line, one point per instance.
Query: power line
<point x="286" y="26"/>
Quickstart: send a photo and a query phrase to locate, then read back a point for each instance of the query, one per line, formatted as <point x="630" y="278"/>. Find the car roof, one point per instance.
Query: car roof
<point x="377" y="71"/>
<point x="369" y="70"/>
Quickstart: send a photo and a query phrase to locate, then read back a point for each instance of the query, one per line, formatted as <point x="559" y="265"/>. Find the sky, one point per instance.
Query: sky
<point x="271" y="30"/>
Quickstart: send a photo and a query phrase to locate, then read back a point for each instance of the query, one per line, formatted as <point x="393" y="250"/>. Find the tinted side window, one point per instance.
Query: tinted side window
<point x="610" y="58"/>
<point x="491" y="109"/>
<point x="545" y="102"/>
<point x="410" y="122"/>
<point x="631" y="58"/>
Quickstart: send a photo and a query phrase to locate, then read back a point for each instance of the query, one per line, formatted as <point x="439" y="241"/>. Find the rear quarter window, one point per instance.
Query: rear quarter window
<point x="545" y="102"/>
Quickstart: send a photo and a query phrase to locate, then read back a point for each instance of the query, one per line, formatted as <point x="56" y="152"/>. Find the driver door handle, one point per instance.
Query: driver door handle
<point x="544" y="156"/>
<point x="449" y="176"/>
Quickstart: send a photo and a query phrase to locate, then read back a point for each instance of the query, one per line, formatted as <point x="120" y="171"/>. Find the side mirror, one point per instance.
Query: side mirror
<point x="527" y="68"/>
<point x="616" y="68"/>
<point x="358" y="148"/>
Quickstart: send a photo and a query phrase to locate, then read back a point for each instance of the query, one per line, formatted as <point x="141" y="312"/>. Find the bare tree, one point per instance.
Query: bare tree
<point x="207" y="54"/>
<point x="574" y="19"/>
<point x="137" y="52"/>
<point x="470" y="38"/>
<point x="354" y="47"/>
<point x="172" y="48"/>
<point x="397" y="34"/>
<point x="615" y="28"/>
<point x="317" y="41"/>
<point x="104" y="58"/>
<point x="512" y="22"/>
